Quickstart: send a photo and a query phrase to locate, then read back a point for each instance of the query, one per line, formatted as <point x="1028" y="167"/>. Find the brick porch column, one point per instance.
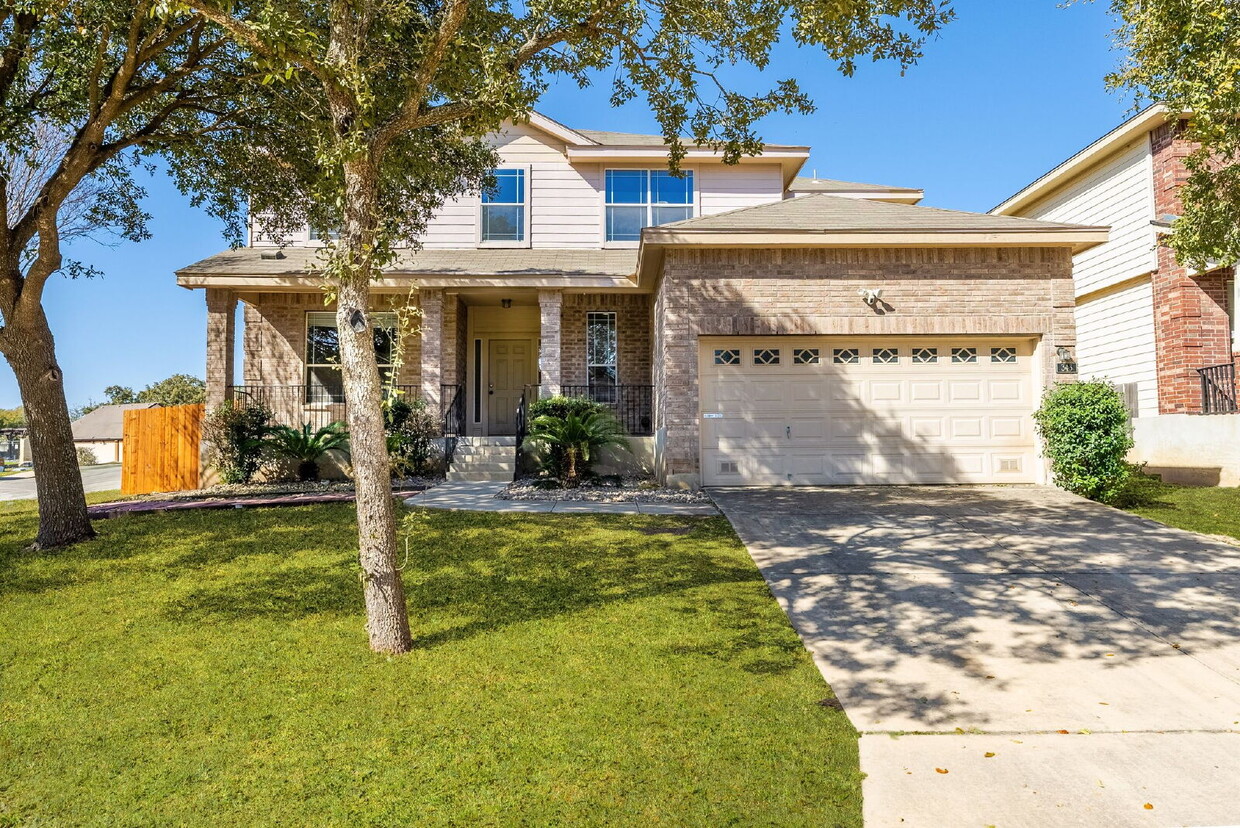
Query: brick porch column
<point x="550" y="305"/>
<point x="221" y="338"/>
<point x="431" y="302"/>
<point x="1192" y="328"/>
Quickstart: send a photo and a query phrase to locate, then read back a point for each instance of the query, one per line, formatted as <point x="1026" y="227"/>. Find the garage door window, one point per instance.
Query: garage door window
<point x="728" y="356"/>
<point x="963" y="356"/>
<point x="846" y="356"/>
<point x="1002" y="354"/>
<point x="805" y="356"/>
<point x="766" y="356"/>
<point x="886" y="356"/>
<point x="924" y="356"/>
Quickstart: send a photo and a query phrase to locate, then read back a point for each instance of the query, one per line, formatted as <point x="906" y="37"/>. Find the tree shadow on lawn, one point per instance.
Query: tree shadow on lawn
<point x="469" y="574"/>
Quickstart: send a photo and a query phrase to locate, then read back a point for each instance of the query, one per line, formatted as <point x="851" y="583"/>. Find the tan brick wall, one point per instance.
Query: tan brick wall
<point x="814" y="291"/>
<point x="275" y="337"/>
<point x="632" y="335"/>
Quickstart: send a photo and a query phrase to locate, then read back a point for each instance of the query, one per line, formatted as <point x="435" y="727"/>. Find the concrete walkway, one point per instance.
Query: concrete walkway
<point x="480" y="497"/>
<point x="1067" y="663"/>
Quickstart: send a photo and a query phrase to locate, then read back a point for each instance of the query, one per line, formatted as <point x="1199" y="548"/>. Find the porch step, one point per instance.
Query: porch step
<point x="484" y="459"/>
<point x="478" y="477"/>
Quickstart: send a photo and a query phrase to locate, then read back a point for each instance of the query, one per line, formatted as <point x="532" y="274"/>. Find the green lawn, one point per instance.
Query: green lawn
<point x="1214" y="511"/>
<point x="211" y="668"/>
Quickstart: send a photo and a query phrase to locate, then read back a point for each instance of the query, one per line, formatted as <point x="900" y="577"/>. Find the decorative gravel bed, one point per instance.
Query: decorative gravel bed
<point x="633" y="490"/>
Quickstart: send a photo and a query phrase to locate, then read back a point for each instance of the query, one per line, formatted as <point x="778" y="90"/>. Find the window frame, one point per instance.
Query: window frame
<point x="527" y="176"/>
<point x="615" y="337"/>
<point x="373" y="318"/>
<point x="688" y="169"/>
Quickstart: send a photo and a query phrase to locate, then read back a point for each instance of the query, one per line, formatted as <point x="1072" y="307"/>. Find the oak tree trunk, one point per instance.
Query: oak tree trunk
<point x="31" y="353"/>
<point x="387" y="620"/>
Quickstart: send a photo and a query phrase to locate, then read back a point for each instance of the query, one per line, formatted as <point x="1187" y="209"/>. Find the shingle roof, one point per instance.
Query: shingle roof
<point x="107" y="422"/>
<point x="271" y="261"/>
<point x="803" y="184"/>
<point x="828" y="213"/>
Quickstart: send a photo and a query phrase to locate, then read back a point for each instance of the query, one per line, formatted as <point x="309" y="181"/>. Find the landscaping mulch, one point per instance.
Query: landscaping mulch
<point x="212" y="500"/>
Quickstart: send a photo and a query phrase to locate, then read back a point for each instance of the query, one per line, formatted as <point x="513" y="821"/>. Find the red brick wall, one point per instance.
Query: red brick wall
<point x="1192" y="326"/>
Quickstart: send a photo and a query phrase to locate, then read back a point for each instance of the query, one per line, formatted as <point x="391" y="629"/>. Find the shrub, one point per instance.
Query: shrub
<point x="412" y="429"/>
<point x="1085" y="429"/>
<point x="307" y="447"/>
<point x="573" y="441"/>
<point x="561" y="407"/>
<point x="86" y="456"/>
<point x="235" y="436"/>
<point x="552" y="460"/>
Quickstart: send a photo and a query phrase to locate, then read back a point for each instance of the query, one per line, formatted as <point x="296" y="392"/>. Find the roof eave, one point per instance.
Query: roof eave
<point x="1080" y="163"/>
<point x="790" y="158"/>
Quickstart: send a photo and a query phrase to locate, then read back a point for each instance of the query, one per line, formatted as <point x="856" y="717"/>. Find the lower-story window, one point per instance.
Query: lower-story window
<point x="602" y="346"/>
<point x="324" y="383"/>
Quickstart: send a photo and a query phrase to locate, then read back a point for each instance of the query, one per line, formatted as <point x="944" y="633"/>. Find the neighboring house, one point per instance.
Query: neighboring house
<point x="1166" y="335"/>
<point x="102" y="431"/>
<point x="731" y="317"/>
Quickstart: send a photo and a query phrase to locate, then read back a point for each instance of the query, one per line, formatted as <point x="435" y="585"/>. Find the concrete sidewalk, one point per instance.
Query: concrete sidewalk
<point x="480" y="497"/>
<point x="1013" y="656"/>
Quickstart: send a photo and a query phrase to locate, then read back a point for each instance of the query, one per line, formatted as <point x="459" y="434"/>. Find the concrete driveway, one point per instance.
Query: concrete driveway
<point x="95" y="478"/>
<point x="1063" y="662"/>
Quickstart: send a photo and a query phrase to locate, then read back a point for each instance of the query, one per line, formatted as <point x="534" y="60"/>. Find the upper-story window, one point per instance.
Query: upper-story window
<point x="645" y="198"/>
<point x="328" y="235"/>
<point x="503" y="209"/>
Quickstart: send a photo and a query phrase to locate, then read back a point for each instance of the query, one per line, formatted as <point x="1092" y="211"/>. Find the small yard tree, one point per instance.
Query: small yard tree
<point x="88" y="88"/>
<point x="378" y="113"/>
<point x="1187" y="55"/>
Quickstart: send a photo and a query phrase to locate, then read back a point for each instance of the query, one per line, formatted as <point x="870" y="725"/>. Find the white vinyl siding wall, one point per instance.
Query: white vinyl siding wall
<point x="1115" y="341"/>
<point x="722" y="188"/>
<point x="1120" y="194"/>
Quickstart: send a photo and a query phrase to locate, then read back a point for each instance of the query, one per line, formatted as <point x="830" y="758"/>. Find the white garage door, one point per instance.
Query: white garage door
<point x="862" y="410"/>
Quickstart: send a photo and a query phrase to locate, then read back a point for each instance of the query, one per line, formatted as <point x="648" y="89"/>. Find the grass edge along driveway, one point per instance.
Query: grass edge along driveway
<point x="209" y="668"/>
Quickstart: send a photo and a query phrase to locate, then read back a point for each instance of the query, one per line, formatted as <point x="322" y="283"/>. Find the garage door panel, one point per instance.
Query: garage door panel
<point x="869" y="421"/>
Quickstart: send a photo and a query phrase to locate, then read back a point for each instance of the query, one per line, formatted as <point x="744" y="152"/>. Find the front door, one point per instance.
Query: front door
<point x="511" y="369"/>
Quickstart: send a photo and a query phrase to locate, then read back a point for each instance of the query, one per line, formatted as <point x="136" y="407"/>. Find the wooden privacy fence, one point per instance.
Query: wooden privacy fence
<point x="161" y="449"/>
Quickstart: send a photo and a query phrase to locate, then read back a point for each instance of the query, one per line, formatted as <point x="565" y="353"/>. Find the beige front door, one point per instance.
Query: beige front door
<point x="511" y="369"/>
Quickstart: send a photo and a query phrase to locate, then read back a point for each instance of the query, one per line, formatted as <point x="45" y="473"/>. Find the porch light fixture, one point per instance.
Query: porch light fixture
<point x="357" y="321"/>
<point x="1064" y="364"/>
<point x="507" y="303"/>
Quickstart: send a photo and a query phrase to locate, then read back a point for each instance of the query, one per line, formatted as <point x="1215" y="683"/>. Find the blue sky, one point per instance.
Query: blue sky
<point x="1009" y="90"/>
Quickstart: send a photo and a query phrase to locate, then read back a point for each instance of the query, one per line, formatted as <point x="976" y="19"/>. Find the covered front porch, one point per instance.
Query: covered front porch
<point x="476" y="355"/>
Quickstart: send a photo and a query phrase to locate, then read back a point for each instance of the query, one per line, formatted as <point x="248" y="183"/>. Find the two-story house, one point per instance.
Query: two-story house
<point x="1164" y="333"/>
<point x="747" y="325"/>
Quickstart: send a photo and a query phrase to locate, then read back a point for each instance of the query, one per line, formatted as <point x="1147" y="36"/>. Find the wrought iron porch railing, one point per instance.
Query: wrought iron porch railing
<point x="633" y="405"/>
<point x="295" y="405"/>
<point x="1218" y="389"/>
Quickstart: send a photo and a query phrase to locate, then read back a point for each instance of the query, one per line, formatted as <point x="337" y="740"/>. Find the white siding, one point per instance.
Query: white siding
<point x="566" y="200"/>
<point x="1120" y="194"/>
<point x="1115" y="341"/>
<point x="722" y="188"/>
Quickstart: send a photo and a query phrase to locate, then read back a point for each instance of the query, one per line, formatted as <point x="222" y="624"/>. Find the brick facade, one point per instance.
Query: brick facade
<point x="632" y="335"/>
<point x="1192" y="327"/>
<point x="724" y="292"/>
<point x="275" y="338"/>
<point x="221" y="339"/>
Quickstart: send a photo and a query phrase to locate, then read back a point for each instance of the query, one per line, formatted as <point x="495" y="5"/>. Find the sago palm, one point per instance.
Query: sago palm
<point x="307" y="447"/>
<point x="578" y="437"/>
